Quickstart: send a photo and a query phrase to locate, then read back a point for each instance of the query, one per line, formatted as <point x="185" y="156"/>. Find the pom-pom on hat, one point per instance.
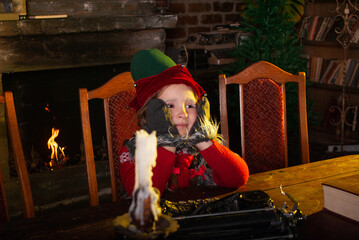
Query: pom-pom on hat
<point x="152" y="70"/>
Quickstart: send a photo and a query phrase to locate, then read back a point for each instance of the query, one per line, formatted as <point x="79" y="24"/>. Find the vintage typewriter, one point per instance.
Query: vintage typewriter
<point x="214" y="48"/>
<point x="242" y="215"/>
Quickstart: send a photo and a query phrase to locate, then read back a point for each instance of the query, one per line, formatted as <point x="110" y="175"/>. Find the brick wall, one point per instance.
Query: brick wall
<point x="200" y="16"/>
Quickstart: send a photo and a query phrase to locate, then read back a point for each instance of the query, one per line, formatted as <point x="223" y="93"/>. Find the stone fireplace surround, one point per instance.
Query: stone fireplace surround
<point x="95" y="35"/>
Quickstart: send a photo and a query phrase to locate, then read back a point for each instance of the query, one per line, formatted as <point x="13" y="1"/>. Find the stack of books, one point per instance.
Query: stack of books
<point x="333" y="71"/>
<point x="318" y="28"/>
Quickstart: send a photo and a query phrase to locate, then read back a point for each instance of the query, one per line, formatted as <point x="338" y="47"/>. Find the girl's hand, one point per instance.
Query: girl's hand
<point x="203" y="130"/>
<point x="158" y="118"/>
<point x="203" y="114"/>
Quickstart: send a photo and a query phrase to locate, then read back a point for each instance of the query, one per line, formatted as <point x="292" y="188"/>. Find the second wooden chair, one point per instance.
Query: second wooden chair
<point x="263" y="120"/>
<point x="121" y="124"/>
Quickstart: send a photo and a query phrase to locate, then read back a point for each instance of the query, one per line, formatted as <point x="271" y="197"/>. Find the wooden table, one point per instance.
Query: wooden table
<point x="302" y="182"/>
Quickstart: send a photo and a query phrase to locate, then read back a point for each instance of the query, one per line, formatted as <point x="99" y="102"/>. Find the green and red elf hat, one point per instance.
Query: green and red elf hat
<point x="152" y="70"/>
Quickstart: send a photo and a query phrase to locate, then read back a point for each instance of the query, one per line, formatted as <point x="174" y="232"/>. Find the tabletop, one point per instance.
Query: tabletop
<point x="302" y="182"/>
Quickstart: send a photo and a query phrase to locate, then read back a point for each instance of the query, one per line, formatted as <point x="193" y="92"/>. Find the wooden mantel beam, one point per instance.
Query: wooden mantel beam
<point x="29" y="45"/>
<point x="71" y="25"/>
<point x="75" y="50"/>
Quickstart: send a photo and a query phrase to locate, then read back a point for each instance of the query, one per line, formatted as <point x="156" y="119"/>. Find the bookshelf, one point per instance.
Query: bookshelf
<point x="329" y="50"/>
<point x="318" y="33"/>
<point x="333" y="68"/>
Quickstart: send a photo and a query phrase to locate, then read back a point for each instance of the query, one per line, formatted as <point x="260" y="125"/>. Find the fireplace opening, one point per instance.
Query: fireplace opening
<point x="47" y="100"/>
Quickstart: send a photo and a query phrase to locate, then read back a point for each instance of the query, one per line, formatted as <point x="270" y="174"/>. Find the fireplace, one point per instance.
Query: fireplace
<point x="44" y="61"/>
<point x="49" y="99"/>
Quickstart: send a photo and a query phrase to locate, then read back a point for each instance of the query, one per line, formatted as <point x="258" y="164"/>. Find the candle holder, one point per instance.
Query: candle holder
<point x="125" y="230"/>
<point x="144" y="219"/>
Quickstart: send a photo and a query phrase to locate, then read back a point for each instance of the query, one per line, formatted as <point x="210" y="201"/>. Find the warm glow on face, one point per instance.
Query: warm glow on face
<point x="181" y="101"/>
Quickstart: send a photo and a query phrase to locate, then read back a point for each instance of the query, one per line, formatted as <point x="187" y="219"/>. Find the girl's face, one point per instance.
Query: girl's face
<point x="181" y="101"/>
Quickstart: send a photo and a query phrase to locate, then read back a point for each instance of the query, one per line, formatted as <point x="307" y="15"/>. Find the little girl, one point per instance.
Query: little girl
<point x="171" y="103"/>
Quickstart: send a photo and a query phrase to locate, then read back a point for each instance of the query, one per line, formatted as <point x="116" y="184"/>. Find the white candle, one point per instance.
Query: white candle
<point x="145" y="160"/>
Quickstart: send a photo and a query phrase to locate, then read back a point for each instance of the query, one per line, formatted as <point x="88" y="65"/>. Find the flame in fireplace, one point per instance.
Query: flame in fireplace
<point x="51" y="144"/>
<point x="47" y="107"/>
<point x="56" y="157"/>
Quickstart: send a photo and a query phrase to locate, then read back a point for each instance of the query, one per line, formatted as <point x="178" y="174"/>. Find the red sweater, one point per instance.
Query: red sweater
<point x="229" y="169"/>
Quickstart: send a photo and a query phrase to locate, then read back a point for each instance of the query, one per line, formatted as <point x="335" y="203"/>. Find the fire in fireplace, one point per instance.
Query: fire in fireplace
<point x="58" y="157"/>
<point x="46" y="102"/>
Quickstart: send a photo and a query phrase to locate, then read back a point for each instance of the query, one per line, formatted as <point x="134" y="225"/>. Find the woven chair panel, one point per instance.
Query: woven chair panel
<point x="263" y="125"/>
<point x="123" y="122"/>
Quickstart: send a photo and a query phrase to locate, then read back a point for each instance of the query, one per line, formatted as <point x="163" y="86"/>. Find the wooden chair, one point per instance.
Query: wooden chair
<point x="263" y="115"/>
<point x="121" y="124"/>
<point x="20" y="164"/>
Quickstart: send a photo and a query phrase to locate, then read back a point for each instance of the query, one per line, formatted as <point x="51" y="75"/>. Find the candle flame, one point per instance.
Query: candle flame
<point x="145" y="197"/>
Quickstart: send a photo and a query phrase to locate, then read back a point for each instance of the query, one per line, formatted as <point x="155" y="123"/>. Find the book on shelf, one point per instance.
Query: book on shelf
<point x="312" y="66"/>
<point x="355" y="77"/>
<point x="335" y="75"/>
<point x="317" y="68"/>
<point x="333" y="71"/>
<point x="329" y="71"/>
<point x="355" y="30"/>
<point x="350" y="68"/>
<point x="321" y="28"/>
<point x="341" y="196"/>
<point x="351" y="74"/>
<point x="309" y="28"/>
<point x="318" y="26"/>
<point x="339" y="78"/>
<point x="355" y="38"/>
<point x="304" y="27"/>
<point x="334" y="29"/>
<point x="329" y="25"/>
